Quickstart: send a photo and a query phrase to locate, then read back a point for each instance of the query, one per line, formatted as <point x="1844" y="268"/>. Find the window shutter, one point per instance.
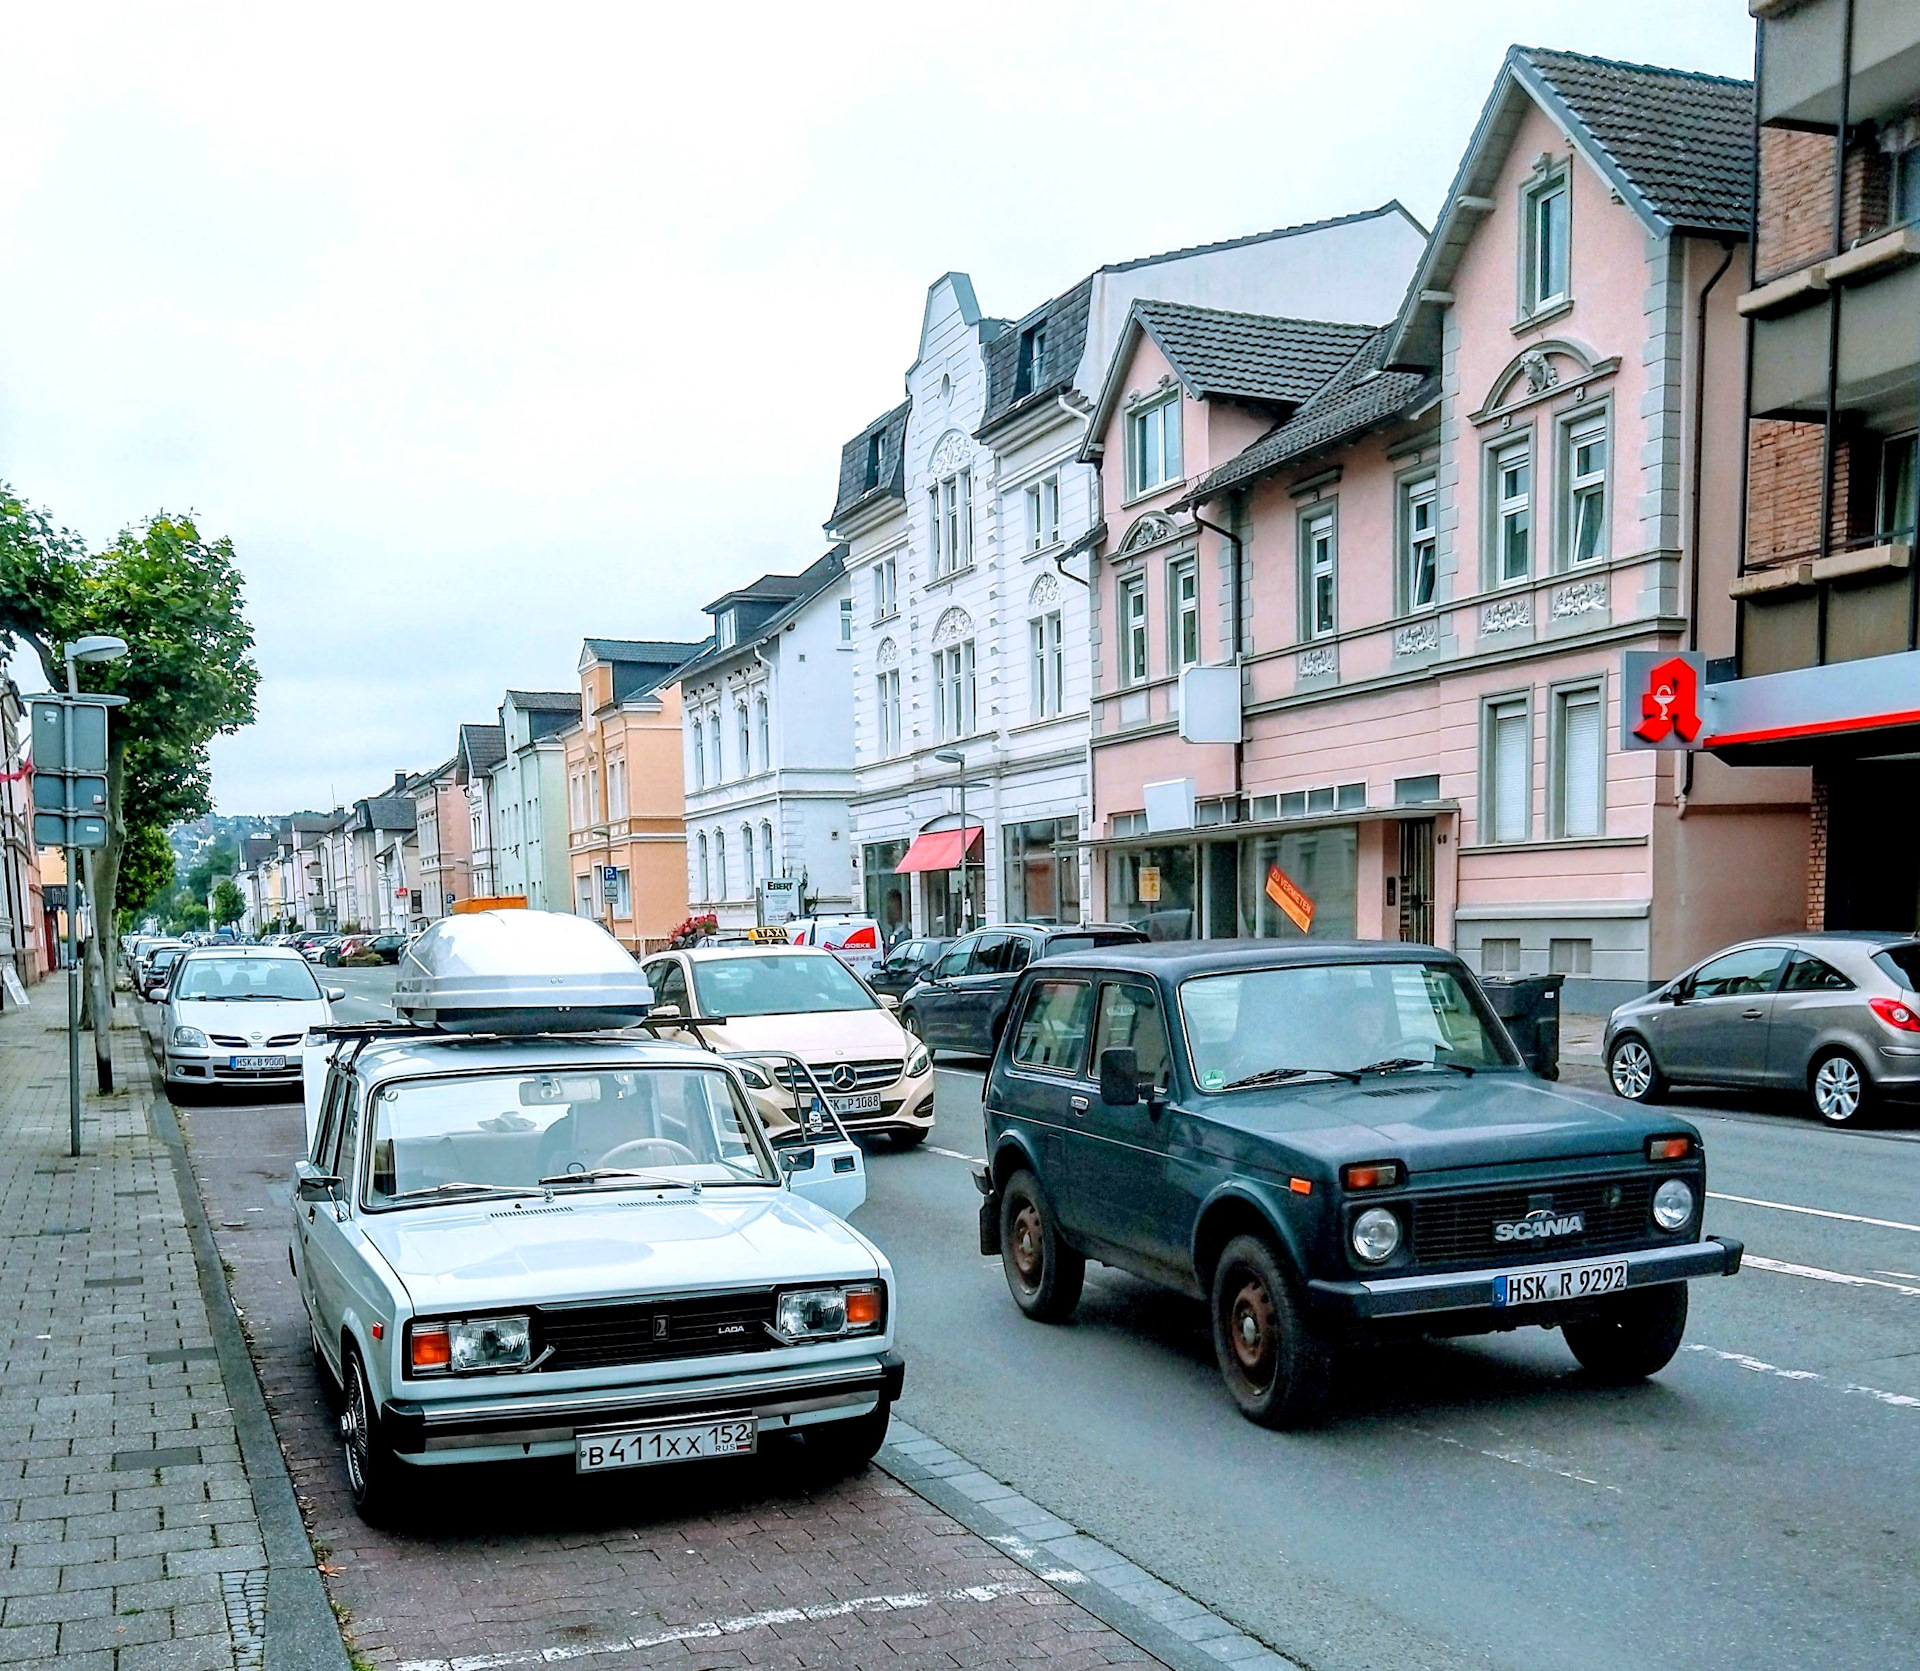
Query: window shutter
<point x="1510" y="773"/>
<point x="1580" y="765"/>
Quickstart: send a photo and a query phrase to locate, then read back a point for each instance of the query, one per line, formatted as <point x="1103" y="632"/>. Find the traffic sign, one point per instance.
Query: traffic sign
<point x="89" y="743"/>
<point x="50" y="793"/>
<point x="57" y="829"/>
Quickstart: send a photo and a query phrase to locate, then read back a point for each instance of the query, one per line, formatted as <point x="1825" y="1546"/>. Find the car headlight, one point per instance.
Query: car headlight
<point x="187" y="1038"/>
<point x="469" y="1346"/>
<point x="822" y="1313"/>
<point x="1376" y="1233"/>
<point x="758" y="1078"/>
<point x="918" y="1062"/>
<point x="1673" y="1204"/>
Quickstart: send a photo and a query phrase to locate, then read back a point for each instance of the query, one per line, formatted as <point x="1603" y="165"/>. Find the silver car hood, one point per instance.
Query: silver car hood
<point x="265" y="1016"/>
<point x="610" y="1244"/>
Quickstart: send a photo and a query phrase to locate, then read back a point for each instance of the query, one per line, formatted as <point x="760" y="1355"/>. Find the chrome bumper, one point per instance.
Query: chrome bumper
<point x="1410" y="1296"/>
<point x="414" y="1426"/>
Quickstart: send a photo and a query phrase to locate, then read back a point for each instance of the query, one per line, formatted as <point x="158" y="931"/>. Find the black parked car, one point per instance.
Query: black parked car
<point x="961" y="1002"/>
<point x="1328" y="1142"/>
<point x="905" y="965"/>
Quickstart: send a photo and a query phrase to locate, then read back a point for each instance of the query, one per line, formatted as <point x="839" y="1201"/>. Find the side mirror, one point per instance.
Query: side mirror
<point x="317" y="1186"/>
<point x="335" y="994"/>
<point x="796" y="1160"/>
<point x="1119" y="1077"/>
<point x="1679" y="993"/>
<point x="888" y="1001"/>
<point x="664" y="1012"/>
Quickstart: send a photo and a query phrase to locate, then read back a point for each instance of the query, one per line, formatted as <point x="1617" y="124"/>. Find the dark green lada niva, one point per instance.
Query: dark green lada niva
<point x="1328" y="1142"/>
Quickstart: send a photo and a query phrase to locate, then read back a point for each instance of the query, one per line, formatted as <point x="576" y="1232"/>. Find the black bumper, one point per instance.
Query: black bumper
<point x="414" y="1426"/>
<point x="1472" y="1291"/>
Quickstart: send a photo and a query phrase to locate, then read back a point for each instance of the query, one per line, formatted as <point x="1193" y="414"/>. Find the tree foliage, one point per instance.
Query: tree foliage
<point x="146" y="869"/>
<point x="229" y="904"/>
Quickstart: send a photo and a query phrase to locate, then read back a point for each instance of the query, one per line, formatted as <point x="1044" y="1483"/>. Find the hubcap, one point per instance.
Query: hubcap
<point x="1836" y="1089"/>
<point x="1632" y="1070"/>
<point x="1250" y="1328"/>
<point x="353" y="1432"/>
<point x="1029" y="1247"/>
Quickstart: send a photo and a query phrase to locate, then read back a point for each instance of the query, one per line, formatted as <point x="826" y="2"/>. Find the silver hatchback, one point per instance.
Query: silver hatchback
<point x="1834" y="1015"/>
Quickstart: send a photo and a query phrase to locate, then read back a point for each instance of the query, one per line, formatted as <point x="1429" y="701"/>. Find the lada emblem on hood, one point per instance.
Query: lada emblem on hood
<point x="1540" y="1225"/>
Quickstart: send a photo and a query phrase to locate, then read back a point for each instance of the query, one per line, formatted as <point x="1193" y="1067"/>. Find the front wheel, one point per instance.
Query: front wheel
<point x="1632" y="1335"/>
<point x="1840" y="1089"/>
<point x="1277" y="1370"/>
<point x="1044" y="1275"/>
<point x="372" y="1468"/>
<point x="1633" y="1072"/>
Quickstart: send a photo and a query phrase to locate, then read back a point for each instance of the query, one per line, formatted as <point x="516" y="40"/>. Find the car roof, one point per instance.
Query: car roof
<point x="1175" y="960"/>
<point x="281" y="954"/>
<point x="703" y="954"/>
<point x="400" y="1055"/>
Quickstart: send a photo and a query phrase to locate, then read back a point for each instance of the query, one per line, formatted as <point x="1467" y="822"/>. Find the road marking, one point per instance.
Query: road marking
<point x="708" y="1629"/>
<point x="954" y="1154"/>
<point x="1814" y="1273"/>
<point x="1814" y="1212"/>
<point x="1537" y="1461"/>
<point x="1911" y="1276"/>
<point x="1900" y="1401"/>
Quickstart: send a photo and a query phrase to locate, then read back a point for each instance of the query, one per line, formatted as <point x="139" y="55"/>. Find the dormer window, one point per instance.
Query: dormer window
<point x="876" y="459"/>
<point x="1544" y="281"/>
<point x="1032" y="372"/>
<point x="728" y="628"/>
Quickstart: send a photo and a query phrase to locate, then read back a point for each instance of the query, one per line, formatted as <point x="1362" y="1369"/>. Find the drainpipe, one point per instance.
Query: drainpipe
<point x="1059" y="557"/>
<point x="1699" y="452"/>
<point x="1239" y="634"/>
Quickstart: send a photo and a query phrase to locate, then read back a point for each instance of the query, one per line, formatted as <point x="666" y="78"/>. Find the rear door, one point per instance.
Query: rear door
<point x="1042" y="1084"/>
<point x="1815" y="1000"/>
<point x="1718" y="1035"/>
<point x="1116" y="1156"/>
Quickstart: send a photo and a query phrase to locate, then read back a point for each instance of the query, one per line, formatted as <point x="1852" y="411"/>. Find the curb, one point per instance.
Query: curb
<point x="301" y="1632"/>
<point x="1149" y="1613"/>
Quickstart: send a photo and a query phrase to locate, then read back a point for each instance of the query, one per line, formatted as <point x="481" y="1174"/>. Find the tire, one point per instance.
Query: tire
<point x="910" y="1137"/>
<point x="1632" y="1071"/>
<point x="1633" y="1336"/>
<point x="1277" y="1370"/>
<point x="1838" y="1086"/>
<point x="837" y="1449"/>
<point x="372" y="1469"/>
<point x="1044" y="1275"/>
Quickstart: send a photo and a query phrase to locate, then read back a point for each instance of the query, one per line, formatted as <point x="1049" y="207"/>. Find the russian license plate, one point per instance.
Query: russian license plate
<point x="1559" y="1282"/>
<point x="642" y="1447"/>
<point x="259" y="1064"/>
<point x="866" y="1102"/>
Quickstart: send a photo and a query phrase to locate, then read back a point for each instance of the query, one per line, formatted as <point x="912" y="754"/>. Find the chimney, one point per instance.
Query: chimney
<point x="399" y="782"/>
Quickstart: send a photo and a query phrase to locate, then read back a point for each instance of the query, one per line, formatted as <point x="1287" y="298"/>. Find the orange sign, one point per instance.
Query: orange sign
<point x="1290" y="899"/>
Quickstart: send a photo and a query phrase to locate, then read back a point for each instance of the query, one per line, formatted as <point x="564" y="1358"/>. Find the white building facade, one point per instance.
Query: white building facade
<point x="767" y="724"/>
<point x="967" y="513"/>
<point x="529" y="806"/>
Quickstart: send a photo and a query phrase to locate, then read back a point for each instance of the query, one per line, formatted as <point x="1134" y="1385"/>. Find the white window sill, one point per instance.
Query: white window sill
<point x="1154" y="492"/>
<point x="1544" y="314"/>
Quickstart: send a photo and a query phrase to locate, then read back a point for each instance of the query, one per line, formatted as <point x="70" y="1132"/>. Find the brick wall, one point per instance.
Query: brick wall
<point x="1796" y="198"/>
<point x="1817" y="854"/>
<point x="1783" y="490"/>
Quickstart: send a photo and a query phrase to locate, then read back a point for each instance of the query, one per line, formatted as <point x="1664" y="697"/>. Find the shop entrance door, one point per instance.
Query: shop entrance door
<point x="1416" y="881"/>
<point x="1873" y="857"/>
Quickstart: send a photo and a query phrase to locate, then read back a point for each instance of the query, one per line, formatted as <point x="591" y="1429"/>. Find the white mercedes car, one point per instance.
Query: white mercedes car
<point x="520" y="1233"/>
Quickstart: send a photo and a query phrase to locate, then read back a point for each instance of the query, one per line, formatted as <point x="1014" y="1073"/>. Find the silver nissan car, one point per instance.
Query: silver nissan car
<point x="1834" y="1015"/>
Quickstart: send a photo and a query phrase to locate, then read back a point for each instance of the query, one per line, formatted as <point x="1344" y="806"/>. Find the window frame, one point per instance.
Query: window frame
<point x="720" y="865"/>
<point x="887" y="702"/>
<point x="1421" y="486"/>
<point x="1046" y="666"/>
<point x="1067" y="1070"/>
<point x="746" y="739"/>
<point x="1133" y="989"/>
<point x="1306" y="521"/>
<point x="1498" y="507"/>
<point x="767" y="862"/>
<point x="1171" y="465"/>
<point x="763" y="727"/>
<point x="1183" y="573"/>
<point x="1043" y="512"/>
<point x="1491" y="710"/>
<point x="886" y="588"/>
<point x="1560" y="697"/>
<point x="1567" y="501"/>
<point x="1555" y="181"/>
<point x="955" y="689"/>
<point x="1131" y="599"/>
<point x="751" y="876"/>
<point x="1907" y="441"/>
<point x="706" y="869"/>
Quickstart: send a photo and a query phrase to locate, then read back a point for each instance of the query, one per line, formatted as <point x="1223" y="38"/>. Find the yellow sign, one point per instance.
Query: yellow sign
<point x="771" y="936"/>
<point x="1149" y="884"/>
<point x="1283" y="893"/>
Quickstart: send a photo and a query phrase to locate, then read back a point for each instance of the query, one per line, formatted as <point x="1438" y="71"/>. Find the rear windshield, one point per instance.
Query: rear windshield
<point x="777" y="983"/>
<point x="1901" y="963"/>
<point x="213" y="979"/>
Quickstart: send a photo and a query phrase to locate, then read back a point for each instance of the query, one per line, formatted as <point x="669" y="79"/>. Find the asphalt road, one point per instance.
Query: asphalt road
<point x="1479" y="1503"/>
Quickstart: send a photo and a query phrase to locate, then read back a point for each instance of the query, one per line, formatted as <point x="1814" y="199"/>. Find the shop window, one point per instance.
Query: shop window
<point x="1570" y="957"/>
<point x="1321" y="864"/>
<point x="1040" y="883"/>
<point x="1151" y="888"/>
<point x="1499" y="957"/>
<point x="885" y="891"/>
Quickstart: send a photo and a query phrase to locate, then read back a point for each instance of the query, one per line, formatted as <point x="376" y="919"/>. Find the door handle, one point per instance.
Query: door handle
<point x="1751" y="1015"/>
<point x="1078" y="1104"/>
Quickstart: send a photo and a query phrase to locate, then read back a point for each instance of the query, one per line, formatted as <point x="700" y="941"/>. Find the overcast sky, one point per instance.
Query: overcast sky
<point x="482" y="330"/>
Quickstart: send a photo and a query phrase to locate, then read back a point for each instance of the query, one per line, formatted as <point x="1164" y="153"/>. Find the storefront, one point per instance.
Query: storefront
<point x="885" y="889"/>
<point x="1041" y="880"/>
<point x="953" y="882"/>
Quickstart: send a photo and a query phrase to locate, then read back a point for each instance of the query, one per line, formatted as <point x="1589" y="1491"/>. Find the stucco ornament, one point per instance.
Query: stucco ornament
<point x="954" y="625"/>
<point x="1149" y="530"/>
<point x="1317" y="663"/>
<point x="1582" y="598"/>
<point x="1418" y="639"/>
<point x="1541" y="373"/>
<point x="887" y="655"/>
<point x="1508" y="615"/>
<point x="1045" y="593"/>
<point x="953" y="452"/>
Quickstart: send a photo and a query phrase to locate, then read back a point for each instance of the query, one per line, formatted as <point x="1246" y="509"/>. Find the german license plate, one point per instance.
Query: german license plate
<point x="642" y="1447"/>
<point x="1559" y="1282"/>
<point x="259" y="1064"/>
<point x="866" y="1102"/>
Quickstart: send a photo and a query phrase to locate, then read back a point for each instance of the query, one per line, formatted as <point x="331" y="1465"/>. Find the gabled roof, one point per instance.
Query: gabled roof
<point x="858" y="487"/>
<point x="1676" y="145"/>
<point x="670" y="651"/>
<point x="1358" y="397"/>
<point x="545" y="701"/>
<point x="819" y="576"/>
<point x="481" y="748"/>
<point x="384" y="812"/>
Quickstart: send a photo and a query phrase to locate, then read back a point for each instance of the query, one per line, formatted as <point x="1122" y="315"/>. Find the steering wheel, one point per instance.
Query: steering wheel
<point x="659" y="1151"/>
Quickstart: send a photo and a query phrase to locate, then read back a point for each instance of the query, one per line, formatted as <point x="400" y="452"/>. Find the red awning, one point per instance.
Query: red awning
<point x="939" y="849"/>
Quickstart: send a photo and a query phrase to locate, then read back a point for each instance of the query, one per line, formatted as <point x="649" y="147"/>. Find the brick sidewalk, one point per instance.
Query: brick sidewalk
<point x="130" y="1535"/>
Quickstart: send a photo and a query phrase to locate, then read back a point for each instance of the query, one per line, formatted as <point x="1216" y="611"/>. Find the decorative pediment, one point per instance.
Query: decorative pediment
<point x="1151" y="529"/>
<point x="887" y="655"/>
<point x="1554" y="367"/>
<point x="954" y="625"/>
<point x="1045" y="593"/>
<point x="952" y="452"/>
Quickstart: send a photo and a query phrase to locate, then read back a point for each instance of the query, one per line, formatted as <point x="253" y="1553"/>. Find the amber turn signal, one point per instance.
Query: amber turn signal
<point x="1300" y="1186"/>
<point x="863" y="1308"/>
<point x="429" y="1348"/>
<point x="1669" y="1148"/>
<point x="1372" y="1174"/>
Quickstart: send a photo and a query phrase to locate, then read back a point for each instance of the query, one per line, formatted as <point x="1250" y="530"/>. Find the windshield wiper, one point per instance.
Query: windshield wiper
<point x="1400" y="1064"/>
<point x="466" y="1189"/>
<point x="599" y="1172"/>
<point x="1280" y="1076"/>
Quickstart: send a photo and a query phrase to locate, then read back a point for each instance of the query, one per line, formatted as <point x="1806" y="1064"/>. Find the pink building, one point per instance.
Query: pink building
<point x="1427" y="547"/>
<point x="443" y="830"/>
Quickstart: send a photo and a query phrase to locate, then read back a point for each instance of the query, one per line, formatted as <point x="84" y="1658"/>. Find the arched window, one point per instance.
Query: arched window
<point x="719" y="865"/>
<point x="706" y="874"/>
<point x="765" y="726"/>
<point x="746" y="854"/>
<point x="767" y="865"/>
<point x="746" y="744"/>
<point x="699" y="755"/>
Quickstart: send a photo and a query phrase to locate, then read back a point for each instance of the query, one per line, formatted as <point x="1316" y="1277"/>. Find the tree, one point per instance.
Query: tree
<point x="146" y="870"/>
<point x="189" y="675"/>
<point x="229" y="903"/>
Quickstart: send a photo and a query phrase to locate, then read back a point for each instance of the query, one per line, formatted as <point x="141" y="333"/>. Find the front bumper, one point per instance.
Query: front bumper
<point x="1471" y="1291"/>
<point x="906" y="1104"/>
<point x="418" y="1428"/>
<point x="218" y="1070"/>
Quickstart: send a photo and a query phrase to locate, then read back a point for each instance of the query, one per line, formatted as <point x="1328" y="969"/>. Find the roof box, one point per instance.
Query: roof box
<point x="519" y="971"/>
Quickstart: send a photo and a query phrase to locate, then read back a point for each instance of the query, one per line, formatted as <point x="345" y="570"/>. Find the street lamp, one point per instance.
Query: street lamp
<point x="957" y="757"/>
<point x="93" y="647"/>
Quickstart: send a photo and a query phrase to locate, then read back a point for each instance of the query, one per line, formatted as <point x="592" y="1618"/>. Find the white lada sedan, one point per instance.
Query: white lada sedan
<point x="586" y="1247"/>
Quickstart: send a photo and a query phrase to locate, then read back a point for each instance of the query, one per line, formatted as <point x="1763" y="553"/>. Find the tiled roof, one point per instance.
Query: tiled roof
<point x="484" y="746"/>
<point x="855" y="488"/>
<point x="387" y="812"/>
<point x="815" y="578"/>
<point x="1392" y="206"/>
<point x="1356" y="398"/>
<point x="545" y="701"/>
<point x="670" y="652"/>
<point x="1249" y="356"/>
<point x="1682" y="139"/>
<point x="1064" y="320"/>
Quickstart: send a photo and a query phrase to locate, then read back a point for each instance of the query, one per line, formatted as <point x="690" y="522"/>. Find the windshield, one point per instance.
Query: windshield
<point x="510" y="1131"/>
<point x="776" y="983"/>
<point x="1333" y="1018"/>
<point x="213" y="979"/>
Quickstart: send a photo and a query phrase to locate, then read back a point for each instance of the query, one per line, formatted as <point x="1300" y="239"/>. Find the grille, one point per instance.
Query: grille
<point x="867" y="1076"/>
<point x="640" y="1331"/>
<point x="1458" y="1229"/>
<point x="233" y="1041"/>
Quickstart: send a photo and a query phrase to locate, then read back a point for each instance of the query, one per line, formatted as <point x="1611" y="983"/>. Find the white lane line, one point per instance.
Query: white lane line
<point x="1815" y="1212"/>
<point x="1526" y="1456"/>
<point x="708" y="1629"/>
<point x="1813" y="1273"/>
<point x="1900" y="1401"/>
<point x="954" y="1154"/>
<point x="1911" y="1276"/>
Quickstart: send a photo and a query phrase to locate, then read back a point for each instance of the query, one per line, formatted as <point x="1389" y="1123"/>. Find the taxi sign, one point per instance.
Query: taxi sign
<point x="772" y="935"/>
